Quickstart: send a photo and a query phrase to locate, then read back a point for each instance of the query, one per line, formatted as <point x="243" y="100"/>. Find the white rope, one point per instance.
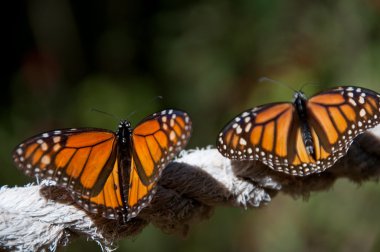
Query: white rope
<point x="30" y="222"/>
<point x="188" y="191"/>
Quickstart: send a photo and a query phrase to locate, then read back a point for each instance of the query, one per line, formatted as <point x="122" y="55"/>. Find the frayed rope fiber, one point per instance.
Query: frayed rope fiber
<point x="41" y="217"/>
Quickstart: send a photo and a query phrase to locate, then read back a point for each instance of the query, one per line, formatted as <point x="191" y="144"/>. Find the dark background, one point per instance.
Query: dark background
<point x="62" y="58"/>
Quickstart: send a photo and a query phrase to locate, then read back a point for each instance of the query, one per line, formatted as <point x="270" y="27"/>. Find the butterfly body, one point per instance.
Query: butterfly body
<point x="109" y="173"/>
<point x="305" y="136"/>
<point x="300" y="104"/>
<point x="124" y="153"/>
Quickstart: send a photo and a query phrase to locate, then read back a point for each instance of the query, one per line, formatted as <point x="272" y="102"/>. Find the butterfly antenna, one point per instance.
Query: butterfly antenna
<point x="131" y="114"/>
<point x="158" y="97"/>
<point x="308" y="84"/>
<point x="263" y="79"/>
<point x="149" y="102"/>
<point x="105" y="113"/>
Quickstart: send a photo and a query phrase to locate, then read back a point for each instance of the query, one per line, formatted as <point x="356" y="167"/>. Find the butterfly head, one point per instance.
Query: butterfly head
<point x="299" y="95"/>
<point x="124" y="131"/>
<point x="299" y="102"/>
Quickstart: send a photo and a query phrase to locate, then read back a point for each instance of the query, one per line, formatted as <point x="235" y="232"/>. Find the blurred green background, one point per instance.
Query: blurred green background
<point x="62" y="58"/>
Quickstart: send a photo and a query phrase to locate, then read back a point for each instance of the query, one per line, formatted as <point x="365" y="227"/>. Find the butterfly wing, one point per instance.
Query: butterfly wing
<point x="156" y="140"/>
<point x="82" y="160"/>
<point x="336" y="117"/>
<point x="267" y="133"/>
<point x="273" y="133"/>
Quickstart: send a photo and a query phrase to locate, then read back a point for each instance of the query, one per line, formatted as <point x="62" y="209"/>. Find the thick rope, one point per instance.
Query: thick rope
<point x="37" y="217"/>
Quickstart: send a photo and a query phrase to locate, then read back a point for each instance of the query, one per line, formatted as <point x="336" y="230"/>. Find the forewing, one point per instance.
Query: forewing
<point x="81" y="160"/>
<point x="263" y="133"/>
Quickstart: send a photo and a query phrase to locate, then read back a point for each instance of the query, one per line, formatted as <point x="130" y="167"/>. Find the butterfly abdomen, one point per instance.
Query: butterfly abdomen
<point x="300" y="105"/>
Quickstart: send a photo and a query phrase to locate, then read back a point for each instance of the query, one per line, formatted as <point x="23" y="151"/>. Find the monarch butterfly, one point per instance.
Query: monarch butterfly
<point x="304" y="137"/>
<point x="110" y="173"/>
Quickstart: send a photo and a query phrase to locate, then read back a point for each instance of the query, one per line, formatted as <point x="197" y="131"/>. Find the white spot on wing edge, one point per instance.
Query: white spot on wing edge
<point x="171" y="123"/>
<point x="352" y="101"/>
<point x="172" y="135"/>
<point x="238" y="130"/>
<point x="19" y="151"/>
<point x="242" y="141"/>
<point x="245" y="114"/>
<point x="361" y="100"/>
<point x="45" y="159"/>
<point x="44" y="146"/>
<point x="56" y="147"/>
<point x="248" y="127"/>
<point x="56" y="139"/>
<point x="362" y="112"/>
